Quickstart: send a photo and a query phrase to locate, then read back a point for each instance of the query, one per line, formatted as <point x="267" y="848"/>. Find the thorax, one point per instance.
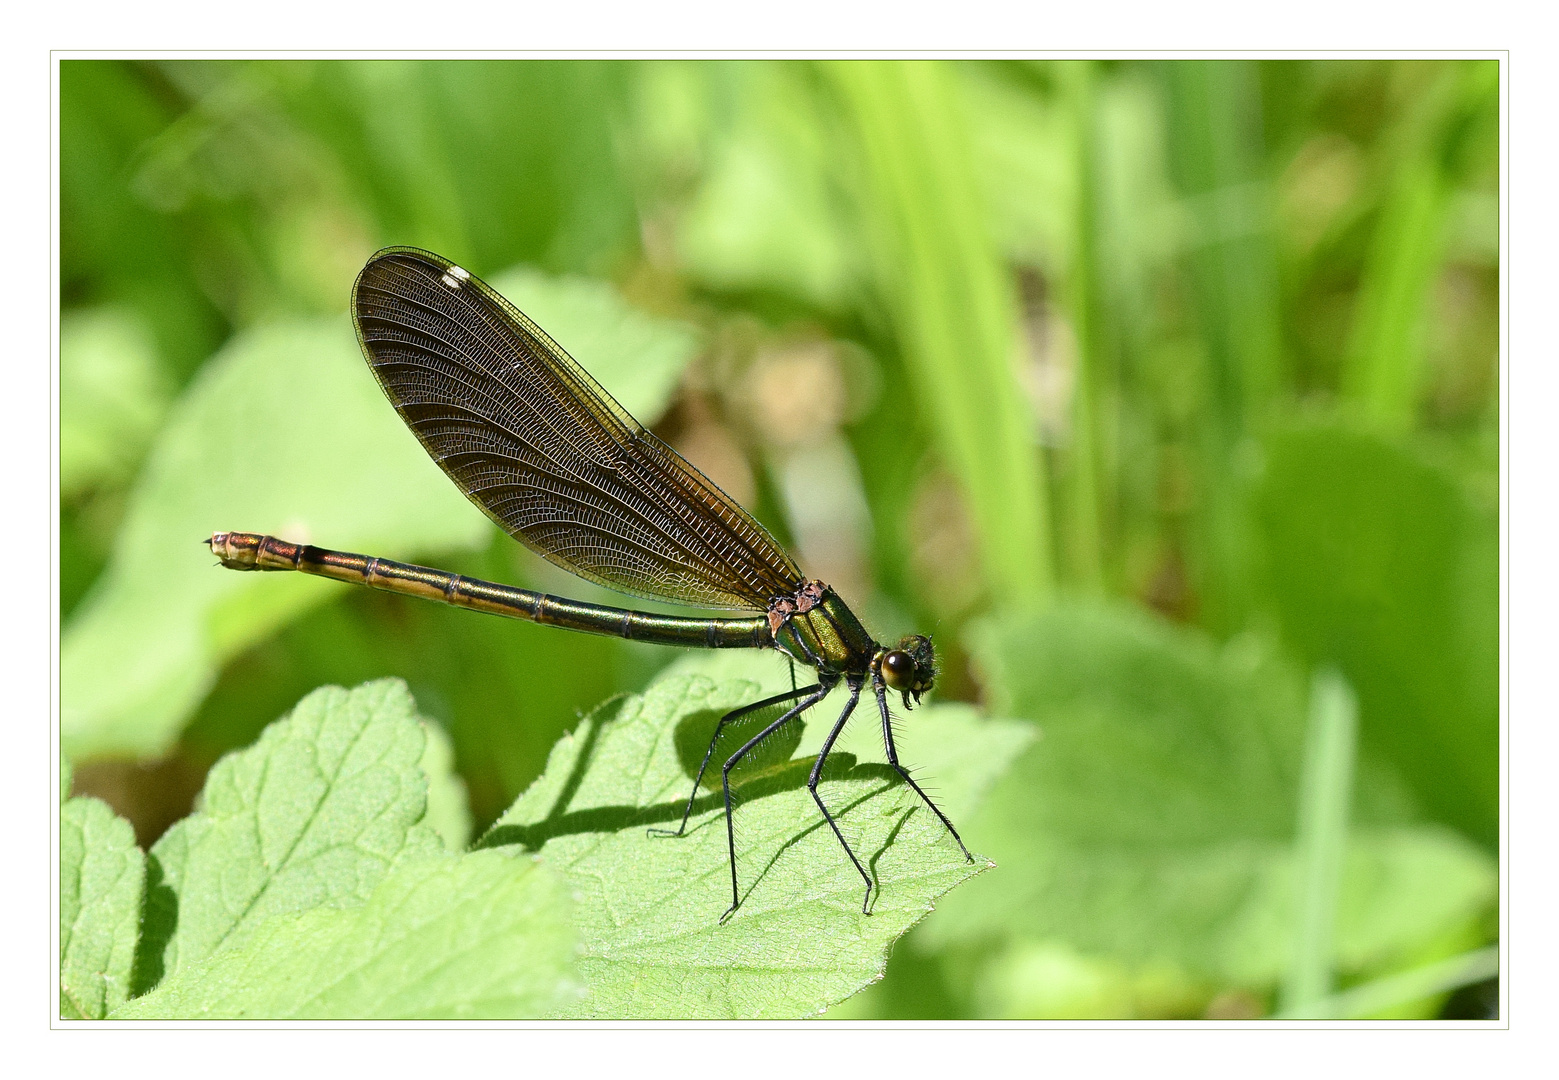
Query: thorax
<point x="816" y="628"/>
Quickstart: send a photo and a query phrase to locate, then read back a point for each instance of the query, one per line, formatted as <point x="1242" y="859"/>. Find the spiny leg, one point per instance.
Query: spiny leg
<point x="817" y="772"/>
<point x="893" y="759"/>
<point x="819" y="692"/>
<point x="732" y="715"/>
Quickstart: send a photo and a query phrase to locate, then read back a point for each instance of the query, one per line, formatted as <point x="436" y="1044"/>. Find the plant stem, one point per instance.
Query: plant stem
<point x="1325" y="793"/>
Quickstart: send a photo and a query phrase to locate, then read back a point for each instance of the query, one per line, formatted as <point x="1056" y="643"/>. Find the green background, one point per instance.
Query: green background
<point x="1151" y="389"/>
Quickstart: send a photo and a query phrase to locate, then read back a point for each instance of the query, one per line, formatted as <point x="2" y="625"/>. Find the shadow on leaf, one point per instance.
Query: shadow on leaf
<point x="159" y="919"/>
<point x="789" y="776"/>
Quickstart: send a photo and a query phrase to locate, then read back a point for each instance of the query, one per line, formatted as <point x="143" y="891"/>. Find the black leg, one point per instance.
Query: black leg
<point x="817" y="772"/>
<point x="893" y="759"/>
<point x="818" y="693"/>
<point x="732" y="715"/>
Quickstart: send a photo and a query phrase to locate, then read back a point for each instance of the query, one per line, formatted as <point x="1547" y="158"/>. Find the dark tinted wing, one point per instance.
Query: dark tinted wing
<point x="545" y="452"/>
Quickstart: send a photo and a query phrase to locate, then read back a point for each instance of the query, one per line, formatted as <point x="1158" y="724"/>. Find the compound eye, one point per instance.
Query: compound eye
<point x="898" y="670"/>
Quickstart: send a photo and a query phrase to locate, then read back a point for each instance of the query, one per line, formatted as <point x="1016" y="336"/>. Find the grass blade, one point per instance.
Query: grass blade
<point x="1326" y="790"/>
<point x="1382" y="995"/>
<point x="952" y="306"/>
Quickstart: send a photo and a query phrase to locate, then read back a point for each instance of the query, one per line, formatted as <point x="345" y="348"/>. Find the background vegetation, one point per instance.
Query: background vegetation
<point x="1165" y="394"/>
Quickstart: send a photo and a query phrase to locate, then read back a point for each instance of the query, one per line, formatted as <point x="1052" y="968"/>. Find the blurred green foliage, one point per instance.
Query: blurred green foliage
<point x="1150" y="387"/>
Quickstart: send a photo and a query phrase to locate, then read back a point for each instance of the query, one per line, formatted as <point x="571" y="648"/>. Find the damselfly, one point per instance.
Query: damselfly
<point x="547" y="454"/>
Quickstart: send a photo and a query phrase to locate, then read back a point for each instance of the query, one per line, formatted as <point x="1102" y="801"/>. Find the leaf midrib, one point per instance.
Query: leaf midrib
<point x="308" y="826"/>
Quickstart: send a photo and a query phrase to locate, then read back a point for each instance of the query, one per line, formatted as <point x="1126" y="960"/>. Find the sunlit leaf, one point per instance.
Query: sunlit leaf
<point x="101" y="876"/>
<point x="448" y="813"/>
<point x="1023" y="144"/>
<point x="441" y="937"/>
<point x="765" y="215"/>
<point x="649" y="908"/>
<point x="112" y="394"/>
<point x="313" y="814"/>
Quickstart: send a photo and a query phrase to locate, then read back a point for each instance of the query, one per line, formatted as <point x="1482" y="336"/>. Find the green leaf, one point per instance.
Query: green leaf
<point x="649" y="908"/>
<point x="441" y="937"/>
<point x="1024" y="151"/>
<point x="112" y="394"/>
<point x="286" y="432"/>
<point x="771" y="673"/>
<point x="1404" y="888"/>
<point x="314" y="814"/>
<point x="1153" y="822"/>
<point x="765" y="215"/>
<point x="434" y="164"/>
<point x="449" y="812"/>
<point x="1380" y="563"/>
<point x="101" y="876"/>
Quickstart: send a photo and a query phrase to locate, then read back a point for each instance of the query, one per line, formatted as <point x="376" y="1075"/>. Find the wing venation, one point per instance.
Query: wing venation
<point x="544" y="451"/>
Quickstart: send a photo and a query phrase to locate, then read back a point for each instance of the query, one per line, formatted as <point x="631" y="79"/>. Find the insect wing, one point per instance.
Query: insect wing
<point x="544" y="451"/>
